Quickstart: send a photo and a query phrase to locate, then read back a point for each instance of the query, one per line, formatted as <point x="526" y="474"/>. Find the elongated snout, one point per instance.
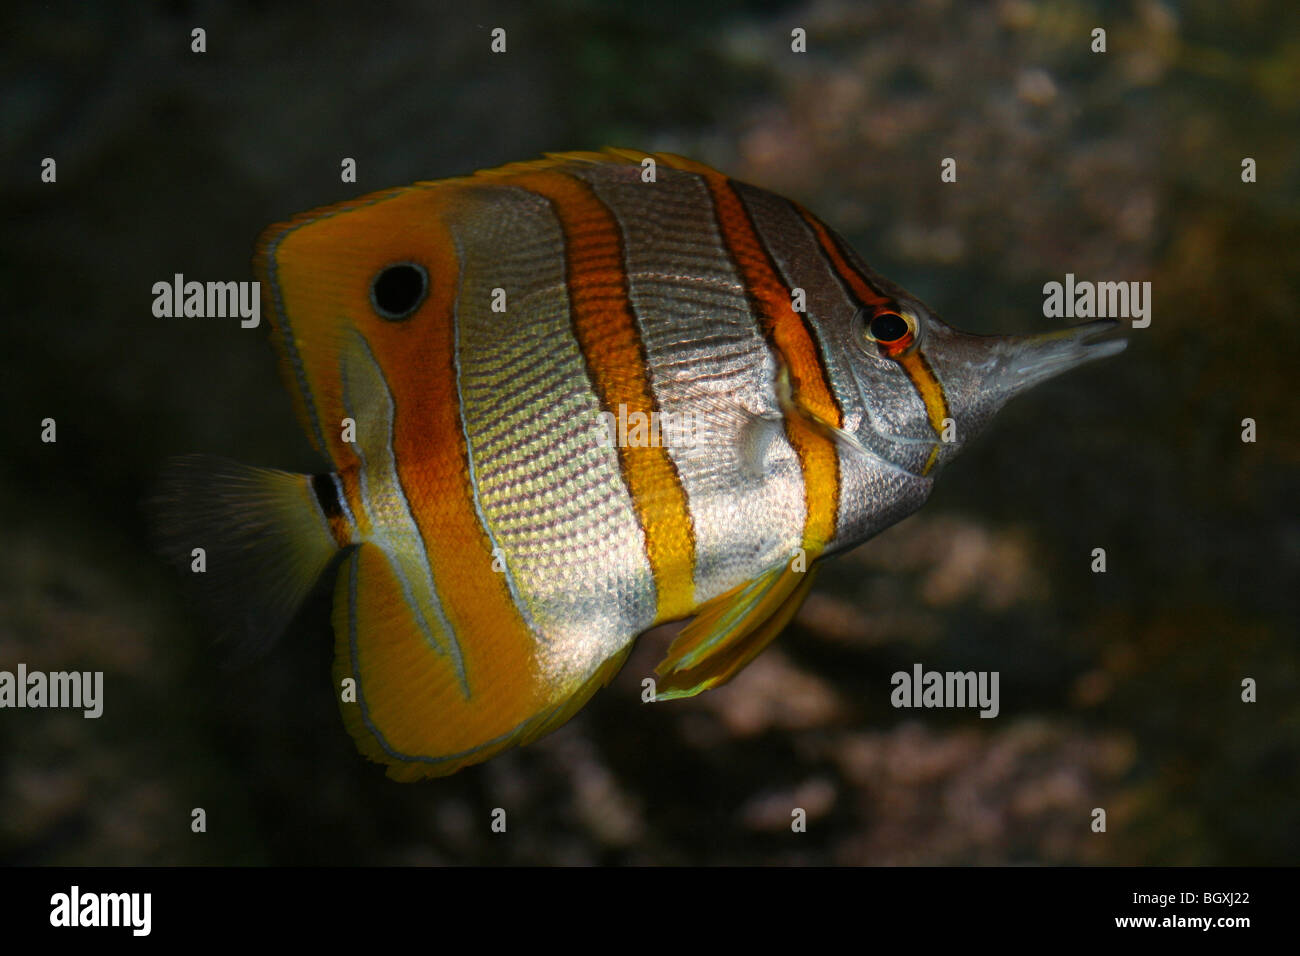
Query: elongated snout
<point x="1024" y="361"/>
<point x="981" y="373"/>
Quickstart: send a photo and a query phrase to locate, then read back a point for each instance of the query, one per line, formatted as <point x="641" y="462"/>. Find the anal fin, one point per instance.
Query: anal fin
<point x="730" y="631"/>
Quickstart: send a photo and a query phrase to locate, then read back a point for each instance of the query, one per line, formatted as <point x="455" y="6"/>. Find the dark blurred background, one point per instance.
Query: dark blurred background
<point x="1119" y="690"/>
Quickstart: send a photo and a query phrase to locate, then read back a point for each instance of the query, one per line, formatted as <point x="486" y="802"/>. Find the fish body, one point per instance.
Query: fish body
<point x="565" y="401"/>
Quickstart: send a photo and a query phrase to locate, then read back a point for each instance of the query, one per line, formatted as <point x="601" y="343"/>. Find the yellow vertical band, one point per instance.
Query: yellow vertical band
<point x="931" y="391"/>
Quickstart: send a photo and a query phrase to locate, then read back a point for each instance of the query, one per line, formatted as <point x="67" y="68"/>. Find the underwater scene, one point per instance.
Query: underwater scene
<point x="793" y="433"/>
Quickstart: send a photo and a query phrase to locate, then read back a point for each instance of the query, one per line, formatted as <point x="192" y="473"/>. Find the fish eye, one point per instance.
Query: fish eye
<point x="888" y="327"/>
<point x="892" y="332"/>
<point x="398" y="290"/>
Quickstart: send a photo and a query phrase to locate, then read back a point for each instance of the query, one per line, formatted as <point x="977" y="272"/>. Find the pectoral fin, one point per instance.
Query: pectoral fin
<point x="730" y="631"/>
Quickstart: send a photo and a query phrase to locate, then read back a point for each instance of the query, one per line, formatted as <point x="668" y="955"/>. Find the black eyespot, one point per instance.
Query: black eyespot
<point x="888" y="327"/>
<point x="399" y="290"/>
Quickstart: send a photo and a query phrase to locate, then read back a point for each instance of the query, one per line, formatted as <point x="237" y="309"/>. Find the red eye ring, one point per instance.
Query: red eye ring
<point x="893" y="332"/>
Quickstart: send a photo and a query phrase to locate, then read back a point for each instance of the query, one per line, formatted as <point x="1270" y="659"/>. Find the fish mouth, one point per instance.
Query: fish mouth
<point x="1029" y="360"/>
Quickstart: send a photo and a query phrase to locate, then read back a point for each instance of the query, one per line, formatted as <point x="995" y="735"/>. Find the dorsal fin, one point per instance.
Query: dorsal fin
<point x="609" y="155"/>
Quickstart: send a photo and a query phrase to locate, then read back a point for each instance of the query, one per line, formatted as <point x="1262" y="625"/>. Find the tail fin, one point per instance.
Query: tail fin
<point x="254" y="540"/>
